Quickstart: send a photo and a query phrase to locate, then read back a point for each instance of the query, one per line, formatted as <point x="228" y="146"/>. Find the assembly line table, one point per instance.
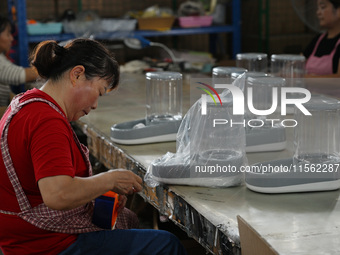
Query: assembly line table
<point x="300" y="223"/>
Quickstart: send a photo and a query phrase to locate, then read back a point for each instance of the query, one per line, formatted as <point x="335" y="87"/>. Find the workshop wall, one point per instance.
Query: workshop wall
<point x="273" y="27"/>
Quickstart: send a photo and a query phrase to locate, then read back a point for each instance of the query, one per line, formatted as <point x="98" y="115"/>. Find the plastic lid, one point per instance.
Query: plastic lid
<point x="249" y="74"/>
<point x="270" y="81"/>
<point x="254" y="55"/>
<point x="163" y="75"/>
<point x="228" y="70"/>
<point x="291" y="57"/>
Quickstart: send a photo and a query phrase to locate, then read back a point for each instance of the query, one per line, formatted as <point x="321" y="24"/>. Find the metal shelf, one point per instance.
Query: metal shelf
<point x="145" y="33"/>
<point x="25" y="39"/>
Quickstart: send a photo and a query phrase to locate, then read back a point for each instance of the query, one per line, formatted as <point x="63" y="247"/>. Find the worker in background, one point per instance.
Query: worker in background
<point x="10" y="74"/>
<point x="323" y="53"/>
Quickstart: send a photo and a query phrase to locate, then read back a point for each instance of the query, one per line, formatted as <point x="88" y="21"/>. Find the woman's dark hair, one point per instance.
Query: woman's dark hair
<point x="52" y="60"/>
<point x="335" y="3"/>
<point x="4" y="22"/>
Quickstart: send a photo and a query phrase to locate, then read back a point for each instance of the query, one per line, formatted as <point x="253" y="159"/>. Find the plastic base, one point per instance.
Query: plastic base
<point x="203" y="182"/>
<point x="136" y="132"/>
<point x="307" y="187"/>
<point x="285" y="176"/>
<point x="200" y="170"/>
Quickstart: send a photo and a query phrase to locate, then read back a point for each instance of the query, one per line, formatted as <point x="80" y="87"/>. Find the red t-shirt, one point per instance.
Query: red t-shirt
<point x="41" y="144"/>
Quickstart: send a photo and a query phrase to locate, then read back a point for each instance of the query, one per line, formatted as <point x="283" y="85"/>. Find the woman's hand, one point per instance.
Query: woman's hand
<point x="121" y="203"/>
<point x="63" y="192"/>
<point x="125" y="182"/>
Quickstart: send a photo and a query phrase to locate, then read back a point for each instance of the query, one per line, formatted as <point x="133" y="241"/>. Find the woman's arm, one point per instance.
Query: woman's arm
<point x="58" y="165"/>
<point x="63" y="192"/>
<point x="31" y="74"/>
<point x="14" y="74"/>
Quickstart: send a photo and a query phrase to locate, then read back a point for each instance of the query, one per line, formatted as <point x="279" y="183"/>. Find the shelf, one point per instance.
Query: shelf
<point x="213" y="31"/>
<point x="56" y="37"/>
<point x="187" y="31"/>
<point x="145" y="33"/>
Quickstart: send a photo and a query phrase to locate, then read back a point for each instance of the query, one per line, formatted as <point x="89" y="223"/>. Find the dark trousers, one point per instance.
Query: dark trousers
<point x="126" y="242"/>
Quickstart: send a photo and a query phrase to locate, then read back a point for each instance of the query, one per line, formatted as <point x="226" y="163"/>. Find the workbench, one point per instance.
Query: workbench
<point x="299" y="223"/>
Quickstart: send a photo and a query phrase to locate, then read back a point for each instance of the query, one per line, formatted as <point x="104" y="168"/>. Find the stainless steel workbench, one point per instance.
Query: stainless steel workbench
<point x="305" y="223"/>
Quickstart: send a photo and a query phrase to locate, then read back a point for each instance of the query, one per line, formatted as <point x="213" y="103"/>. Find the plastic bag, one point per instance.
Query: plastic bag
<point x="207" y="153"/>
<point x="86" y="24"/>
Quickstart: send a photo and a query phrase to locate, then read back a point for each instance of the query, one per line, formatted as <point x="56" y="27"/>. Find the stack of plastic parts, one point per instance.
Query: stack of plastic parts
<point x="316" y="162"/>
<point x="207" y="154"/>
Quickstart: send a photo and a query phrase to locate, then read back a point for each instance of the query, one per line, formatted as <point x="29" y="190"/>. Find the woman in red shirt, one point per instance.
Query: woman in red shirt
<point x="46" y="182"/>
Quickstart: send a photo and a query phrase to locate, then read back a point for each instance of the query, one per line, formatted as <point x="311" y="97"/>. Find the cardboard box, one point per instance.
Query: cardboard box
<point x="156" y="23"/>
<point x="251" y="241"/>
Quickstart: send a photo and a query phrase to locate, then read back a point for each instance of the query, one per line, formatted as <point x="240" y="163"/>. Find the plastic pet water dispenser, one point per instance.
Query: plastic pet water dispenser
<point x="207" y="154"/>
<point x="316" y="162"/>
<point x="163" y="112"/>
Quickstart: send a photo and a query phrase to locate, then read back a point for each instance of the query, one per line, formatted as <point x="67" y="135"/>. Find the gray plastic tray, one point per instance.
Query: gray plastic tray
<point x="125" y="133"/>
<point x="284" y="176"/>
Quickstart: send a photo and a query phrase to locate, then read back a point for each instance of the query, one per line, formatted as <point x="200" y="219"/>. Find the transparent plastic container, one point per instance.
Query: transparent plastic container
<point x="163" y="97"/>
<point x="317" y="136"/>
<point x="253" y="62"/>
<point x="247" y="75"/>
<point x="289" y="66"/>
<point x="221" y="142"/>
<point x="262" y="95"/>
